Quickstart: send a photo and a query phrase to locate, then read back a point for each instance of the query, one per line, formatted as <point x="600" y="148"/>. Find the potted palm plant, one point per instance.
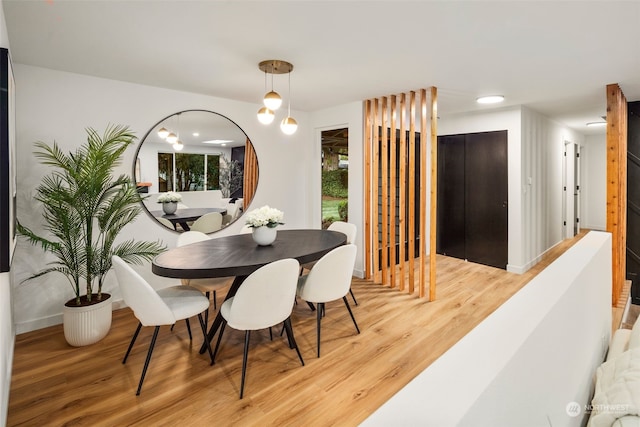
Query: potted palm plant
<point x="85" y="208"/>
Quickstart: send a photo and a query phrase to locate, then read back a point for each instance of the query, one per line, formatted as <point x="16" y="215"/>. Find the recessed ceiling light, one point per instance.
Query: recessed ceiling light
<point x="592" y="124"/>
<point x="491" y="99"/>
<point x="217" y="141"/>
<point x="196" y="134"/>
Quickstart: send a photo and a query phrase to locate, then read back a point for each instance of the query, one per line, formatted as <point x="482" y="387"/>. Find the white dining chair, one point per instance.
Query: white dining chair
<point x="165" y="222"/>
<point x="263" y="300"/>
<point x="156" y="308"/>
<point x="329" y="280"/>
<point x="232" y="213"/>
<point x="348" y="229"/>
<point x="208" y="223"/>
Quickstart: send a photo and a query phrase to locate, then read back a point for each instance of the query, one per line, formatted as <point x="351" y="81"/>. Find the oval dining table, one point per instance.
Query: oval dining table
<point x="238" y="256"/>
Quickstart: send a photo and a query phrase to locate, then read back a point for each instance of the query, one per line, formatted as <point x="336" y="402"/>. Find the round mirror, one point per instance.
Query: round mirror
<point x="195" y="170"/>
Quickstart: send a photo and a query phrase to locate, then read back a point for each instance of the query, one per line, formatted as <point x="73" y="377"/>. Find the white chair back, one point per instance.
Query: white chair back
<point x="330" y="277"/>
<point x="189" y="237"/>
<point x="266" y="297"/>
<point x="138" y="294"/>
<point x="346" y="228"/>
<point x="165" y="222"/>
<point x="208" y="223"/>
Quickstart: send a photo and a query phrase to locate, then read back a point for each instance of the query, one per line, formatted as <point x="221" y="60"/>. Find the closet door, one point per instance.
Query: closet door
<point x="486" y="203"/>
<point x="450" y="239"/>
<point x="472" y="197"/>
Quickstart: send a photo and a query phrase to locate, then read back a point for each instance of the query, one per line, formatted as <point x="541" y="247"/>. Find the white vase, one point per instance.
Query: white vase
<point x="88" y="324"/>
<point x="264" y="236"/>
<point x="169" y="207"/>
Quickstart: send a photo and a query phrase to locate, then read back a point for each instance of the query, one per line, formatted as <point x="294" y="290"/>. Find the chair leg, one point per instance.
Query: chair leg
<point x="271" y="334"/>
<point x="344" y="298"/>
<point x="215" y="302"/>
<point x="189" y="329"/>
<point x="133" y="340"/>
<point x="247" y="335"/>
<point x="353" y="296"/>
<point x="318" y="321"/>
<point x="292" y="340"/>
<point x="146" y="362"/>
<point x="215" y="352"/>
<point x="206" y="313"/>
<point x="204" y="333"/>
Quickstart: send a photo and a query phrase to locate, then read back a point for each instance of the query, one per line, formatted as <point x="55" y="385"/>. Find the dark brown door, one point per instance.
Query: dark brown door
<point x="472" y="197"/>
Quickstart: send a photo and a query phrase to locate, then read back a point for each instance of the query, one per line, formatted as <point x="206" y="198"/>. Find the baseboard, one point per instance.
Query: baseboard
<point x="521" y="269"/>
<point x="53" y="320"/>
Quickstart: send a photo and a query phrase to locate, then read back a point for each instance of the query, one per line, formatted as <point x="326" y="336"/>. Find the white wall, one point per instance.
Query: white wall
<point x="594" y="181"/>
<point x="349" y="116"/>
<point x="493" y="120"/>
<point x="7" y="330"/>
<point x="58" y="106"/>
<point x="535" y="147"/>
<point x="528" y="360"/>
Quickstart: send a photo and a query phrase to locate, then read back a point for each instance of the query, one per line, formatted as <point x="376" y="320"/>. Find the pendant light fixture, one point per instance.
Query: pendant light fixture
<point x="178" y="146"/>
<point x="265" y="115"/>
<point x="272" y="100"/>
<point x="163" y="133"/>
<point x="289" y="126"/>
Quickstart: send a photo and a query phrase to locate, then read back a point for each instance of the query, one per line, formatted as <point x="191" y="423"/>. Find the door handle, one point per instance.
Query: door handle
<point x="505" y="204"/>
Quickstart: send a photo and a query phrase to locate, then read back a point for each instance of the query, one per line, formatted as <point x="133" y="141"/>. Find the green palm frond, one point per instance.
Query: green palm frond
<point x="86" y="207"/>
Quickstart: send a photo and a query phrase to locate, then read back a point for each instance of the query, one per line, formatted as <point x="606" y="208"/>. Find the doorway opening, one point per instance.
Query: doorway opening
<point x="335" y="175"/>
<point x="571" y="189"/>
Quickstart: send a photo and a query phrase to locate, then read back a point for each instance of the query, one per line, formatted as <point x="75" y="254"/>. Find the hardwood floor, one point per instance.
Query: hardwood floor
<point x="54" y="384"/>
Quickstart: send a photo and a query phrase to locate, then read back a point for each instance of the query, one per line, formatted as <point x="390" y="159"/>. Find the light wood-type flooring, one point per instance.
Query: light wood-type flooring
<point x="54" y="384"/>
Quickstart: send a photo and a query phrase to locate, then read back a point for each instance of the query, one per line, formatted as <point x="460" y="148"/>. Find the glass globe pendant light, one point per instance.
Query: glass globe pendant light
<point x="265" y="115"/>
<point x="289" y="126"/>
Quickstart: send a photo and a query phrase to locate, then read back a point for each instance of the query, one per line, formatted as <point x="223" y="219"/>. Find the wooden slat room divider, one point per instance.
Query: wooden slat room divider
<point x="250" y="173"/>
<point x="617" y="185"/>
<point x="396" y="208"/>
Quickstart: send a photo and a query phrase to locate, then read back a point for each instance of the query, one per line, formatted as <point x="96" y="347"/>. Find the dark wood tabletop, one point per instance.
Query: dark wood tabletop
<point x="239" y="255"/>
<point x="181" y="216"/>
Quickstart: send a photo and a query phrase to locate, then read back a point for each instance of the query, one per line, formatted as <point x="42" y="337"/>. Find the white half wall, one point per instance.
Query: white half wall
<point x="58" y="106"/>
<point x="528" y="360"/>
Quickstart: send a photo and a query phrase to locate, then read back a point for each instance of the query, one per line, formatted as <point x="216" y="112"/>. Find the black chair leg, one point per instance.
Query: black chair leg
<point x="344" y="298"/>
<point x="318" y="321"/>
<point x="189" y="329"/>
<point x="271" y="334"/>
<point x="247" y="335"/>
<point x="215" y="352"/>
<point x="206" y="313"/>
<point x="146" y="362"/>
<point x="353" y="296"/>
<point x="204" y="333"/>
<point x="292" y="340"/>
<point x="133" y="340"/>
<point x="215" y="298"/>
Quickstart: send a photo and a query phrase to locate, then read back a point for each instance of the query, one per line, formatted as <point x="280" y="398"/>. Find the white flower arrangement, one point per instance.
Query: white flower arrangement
<point x="169" y="196"/>
<point x="264" y="216"/>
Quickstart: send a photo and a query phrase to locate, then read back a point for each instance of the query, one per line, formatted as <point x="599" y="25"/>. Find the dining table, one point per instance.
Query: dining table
<point x="238" y="256"/>
<point x="184" y="215"/>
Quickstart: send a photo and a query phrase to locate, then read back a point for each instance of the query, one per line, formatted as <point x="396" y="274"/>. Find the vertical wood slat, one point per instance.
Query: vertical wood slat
<point x="434" y="193"/>
<point x="411" y="216"/>
<point x="392" y="167"/>
<point x="375" y="165"/>
<point x="250" y="173"/>
<point x="403" y="191"/>
<point x="367" y="189"/>
<point x="384" y="152"/>
<point x="424" y="136"/>
<point x="616" y="184"/>
<point x="392" y="192"/>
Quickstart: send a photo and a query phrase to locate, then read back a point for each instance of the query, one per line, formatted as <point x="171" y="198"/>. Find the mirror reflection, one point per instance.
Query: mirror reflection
<point x="196" y="170"/>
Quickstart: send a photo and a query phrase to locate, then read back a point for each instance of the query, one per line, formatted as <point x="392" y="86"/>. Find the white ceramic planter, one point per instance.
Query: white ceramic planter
<point x="169" y="207"/>
<point x="87" y="325"/>
<point x="264" y="236"/>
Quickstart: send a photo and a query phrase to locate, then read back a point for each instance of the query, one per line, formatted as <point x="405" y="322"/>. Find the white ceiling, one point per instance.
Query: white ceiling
<point x="554" y="57"/>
